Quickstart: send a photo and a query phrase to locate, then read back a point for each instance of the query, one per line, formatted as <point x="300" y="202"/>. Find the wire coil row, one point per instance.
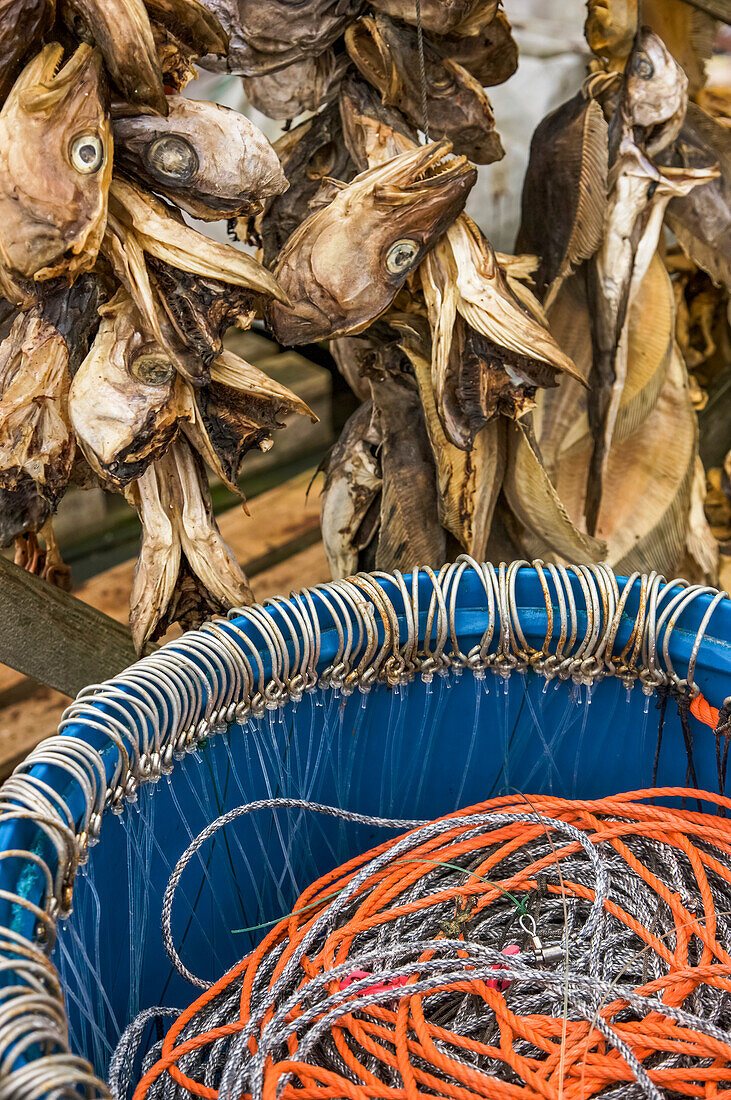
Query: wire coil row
<point x="388" y="628"/>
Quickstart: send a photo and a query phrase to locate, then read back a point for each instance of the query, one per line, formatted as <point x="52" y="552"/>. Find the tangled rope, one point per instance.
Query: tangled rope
<point x="522" y="948"/>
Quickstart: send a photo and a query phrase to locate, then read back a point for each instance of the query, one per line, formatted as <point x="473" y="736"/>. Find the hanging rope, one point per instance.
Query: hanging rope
<point x="540" y="948"/>
<point x="422" y="71"/>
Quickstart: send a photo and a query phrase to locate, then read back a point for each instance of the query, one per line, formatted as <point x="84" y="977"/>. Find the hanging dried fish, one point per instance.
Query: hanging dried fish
<point x="484" y="45"/>
<point x="565" y="191"/>
<point x="121" y="29"/>
<point x="373" y="132"/>
<point x="185" y="571"/>
<point x="651" y="111"/>
<point x="343" y="266"/>
<point x="350" y="353"/>
<point x="350" y="510"/>
<point x="192" y="23"/>
<point x="23" y="24"/>
<point x="36" y="442"/>
<point x="236" y="412"/>
<point x="209" y="160"/>
<point x="265" y="37"/>
<point x="312" y="152"/>
<point x="74" y="313"/>
<point x="410" y="534"/>
<point x="126" y="398"/>
<point x="52" y="222"/>
<point x="304" y="85"/>
<point x="462" y="276"/>
<point x="387" y="54"/>
<point x="438" y="16"/>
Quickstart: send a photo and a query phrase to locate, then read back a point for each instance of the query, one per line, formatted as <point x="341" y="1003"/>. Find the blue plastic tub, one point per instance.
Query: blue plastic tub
<point x="488" y="699"/>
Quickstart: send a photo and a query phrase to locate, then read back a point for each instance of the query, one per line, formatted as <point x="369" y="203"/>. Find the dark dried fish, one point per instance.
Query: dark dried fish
<point x="304" y="85"/>
<point x="343" y="266"/>
<point x="121" y="29"/>
<point x="209" y="160"/>
<point x="185" y="572"/>
<point x="373" y="132"/>
<point x="236" y="412"/>
<point x="126" y="399"/>
<point x="387" y="55"/>
<point x="23" y="24"/>
<point x="488" y="51"/>
<point x="52" y="222"/>
<point x="265" y="37"/>
<point x="350" y="510"/>
<point x="310" y="153"/>
<point x="36" y="441"/>
<point x="74" y="313"/>
<point x="192" y="23"/>
<point x="437" y="16"/>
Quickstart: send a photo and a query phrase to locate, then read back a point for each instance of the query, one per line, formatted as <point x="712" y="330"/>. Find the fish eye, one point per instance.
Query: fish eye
<point x="401" y="256"/>
<point x="87" y="153"/>
<point x="642" y="67"/>
<point x="172" y="159"/>
<point x="152" y="370"/>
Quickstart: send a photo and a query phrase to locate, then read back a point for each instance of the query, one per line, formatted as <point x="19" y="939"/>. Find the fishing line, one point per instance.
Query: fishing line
<point x="422" y="71"/>
<point x="520" y="948"/>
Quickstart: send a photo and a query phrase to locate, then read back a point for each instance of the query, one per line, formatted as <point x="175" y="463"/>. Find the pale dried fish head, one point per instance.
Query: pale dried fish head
<point x="387" y="54"/>
<point x="126" y="399"/>
<point x="165" y="237"/>
<point x="36" y="442"/>
<point x="654" y="91"/>
<point x="23" y="24"/>
<point x="303" y="85"/>
<point x="344" y="265"/>
<point x="350" y="512"/>
<point x="484" y="45"/>
<point x="121" y="29"/>
<point x="236" y="412"/>
<point x="210" y="161"/>
<point x="52" y="222"/>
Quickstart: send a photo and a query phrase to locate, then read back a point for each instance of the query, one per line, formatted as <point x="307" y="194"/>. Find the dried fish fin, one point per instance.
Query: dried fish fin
<point x="536" y="505"/>
<point x="352" y="484"/>
<point x="121" y="29"/>
<point x="700" y="547"/>
<point x="158" y="563"/>
<point x="587" y="227"/>
<point x="175" y="243"/>
<point x="127" y="260"/>
<point x="439" y="285"/>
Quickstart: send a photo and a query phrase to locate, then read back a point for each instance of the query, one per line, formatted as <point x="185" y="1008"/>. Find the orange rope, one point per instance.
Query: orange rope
<point x="701" y="709"/>
<point x="543" y="1057"/>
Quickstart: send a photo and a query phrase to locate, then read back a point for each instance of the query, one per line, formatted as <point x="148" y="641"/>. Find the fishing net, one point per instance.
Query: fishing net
<point x="521" y="947"/>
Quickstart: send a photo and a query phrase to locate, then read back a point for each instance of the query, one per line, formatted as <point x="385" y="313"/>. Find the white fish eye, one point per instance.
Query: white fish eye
<point x="152" y="370"/>
<point x="401" y="256"/>
<point x="171" y="158"/>
<point x="87" y="153"/>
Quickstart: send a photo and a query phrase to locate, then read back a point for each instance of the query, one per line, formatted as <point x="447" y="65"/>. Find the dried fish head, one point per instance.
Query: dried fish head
<point x="303" y="85"/>
<point x="487" y="50"/>
<point x="437" y="16"/>
<point x="192" y="23"/>
<point x="610" y="27"/>
<point x="350" y="510"/>
<point x="23" y="24"/>
<point x="36" y="442"/>
<point x="121" y="29"/>
<point x="373" y="132"/>
<point x="343" y="266"/>
<point x="387" y="54"/>
<point x="126" y="399"/>
<point x="267" y="35"/>
<point x="209" y="160"/>
<point x="655" y="91"/>
<point x="52" y="221"/>
<point x="236" y="412"/>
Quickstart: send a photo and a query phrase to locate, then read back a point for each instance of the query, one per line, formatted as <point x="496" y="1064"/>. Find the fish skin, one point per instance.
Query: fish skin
<point x="387" y="55"/>
<point x="303" y="85"/>
<point x="185" y="571"/>
<point x="23" y="24"/>
<point x="74" y="313"/>
<point x="333" y="267"/>
<point x="268" y="35"/>
<point x="52" y="222"/>
<point x="192" y="23"/>
<point x="231" y="168"/>
<point x="489" y="51"/>
<point x="353" y="483"/>
<point x="648" y="117"/>
<point x="121" y="29"/>
<point x="37" y="444"/>
<point x="309" y="153"/>
<point x="122" y="422"/>
<point x="373" y="133"/>
<point x="437" y="16"/>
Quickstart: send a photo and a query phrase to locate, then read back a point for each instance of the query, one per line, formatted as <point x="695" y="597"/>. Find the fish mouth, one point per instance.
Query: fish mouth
<point x="417" y="174"/>
<point x="50" y="82"/>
